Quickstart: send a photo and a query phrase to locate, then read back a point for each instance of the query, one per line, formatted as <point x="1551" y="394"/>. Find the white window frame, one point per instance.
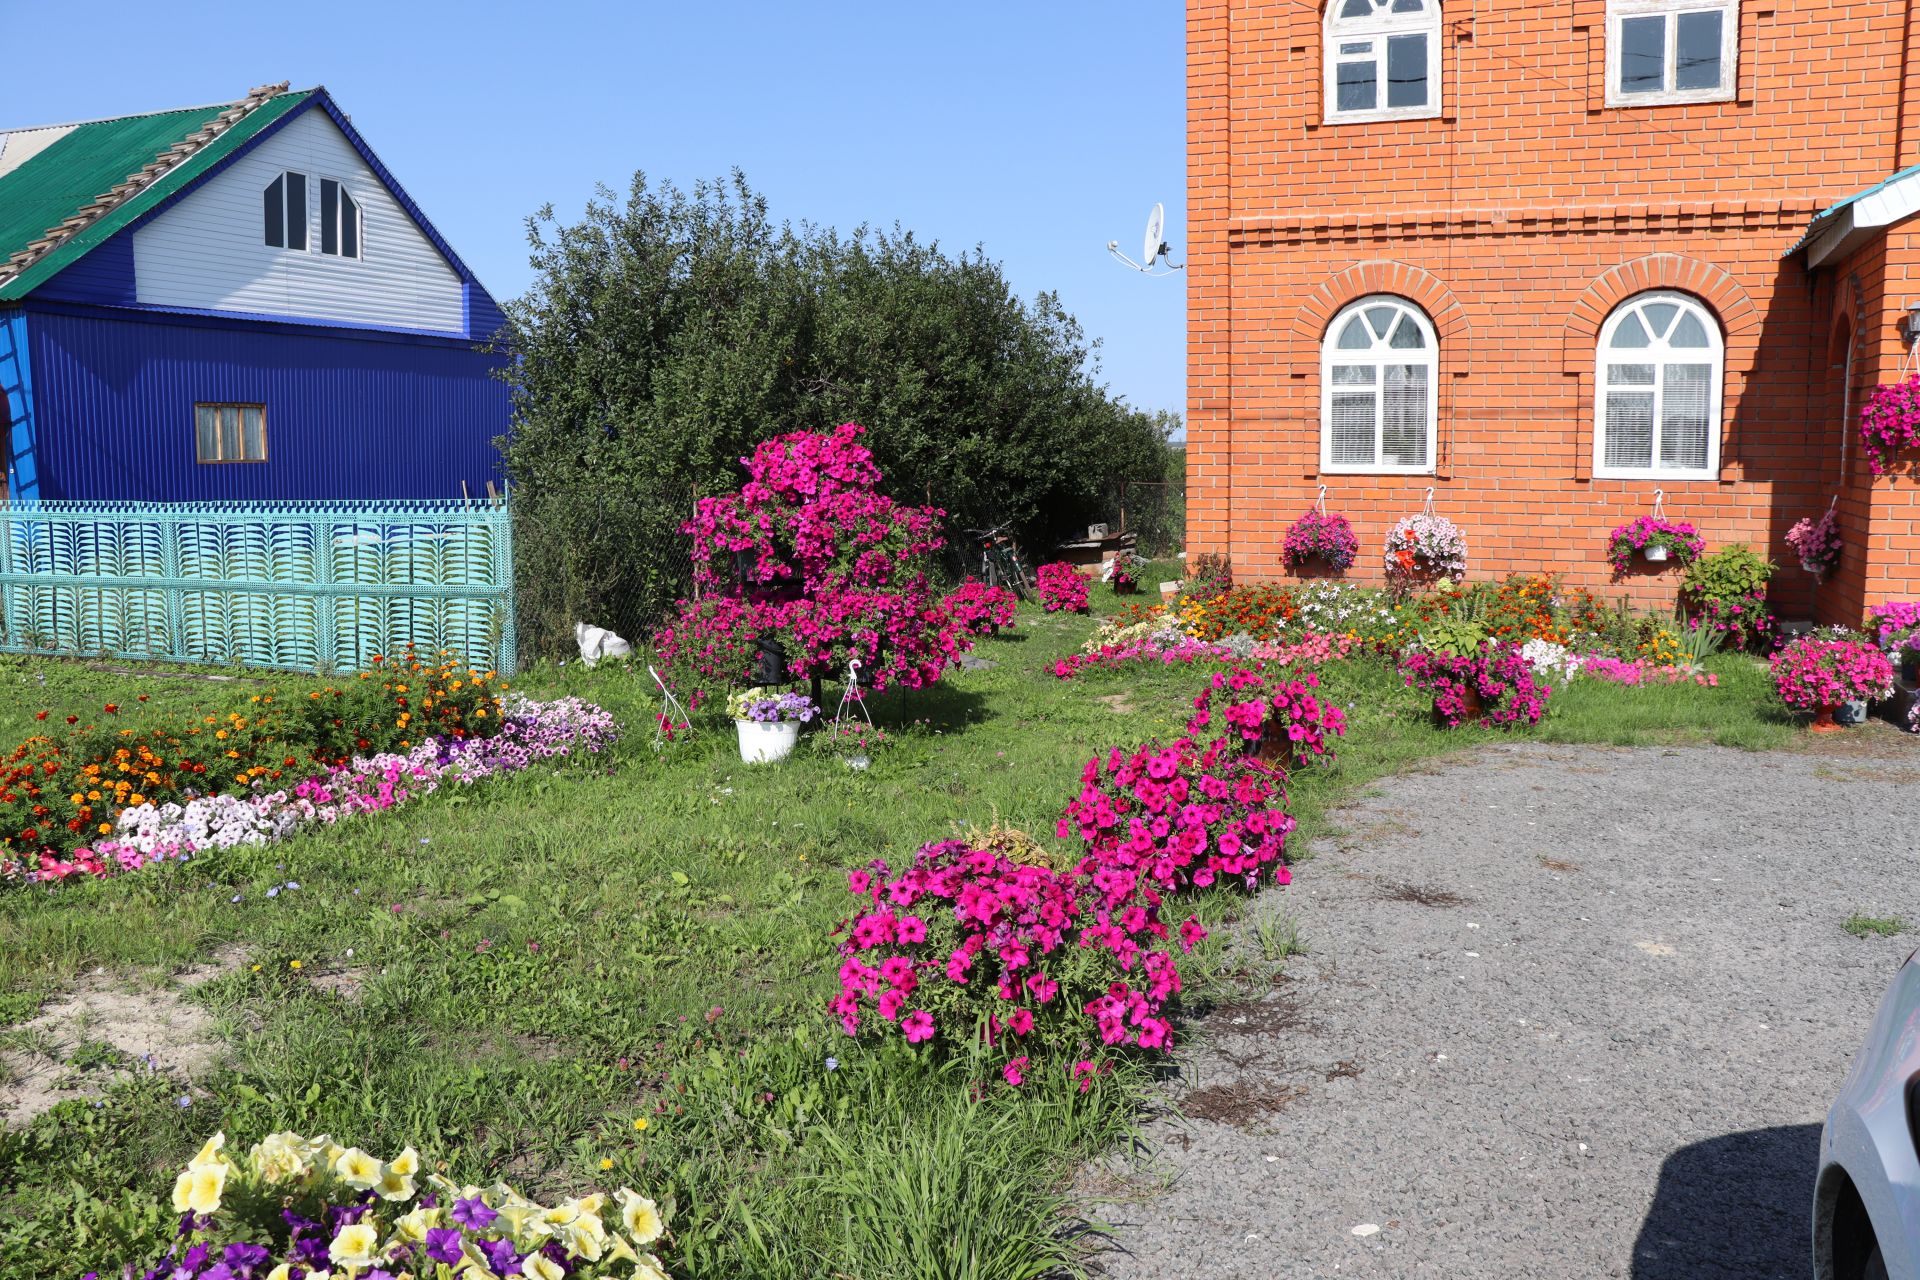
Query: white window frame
<point x="1379" y="357"/>
<point x="1620" y="10"/>
<point x="1604" y="354"/>
<point x="1337" y="31"/>
<point x="317" y="240"/>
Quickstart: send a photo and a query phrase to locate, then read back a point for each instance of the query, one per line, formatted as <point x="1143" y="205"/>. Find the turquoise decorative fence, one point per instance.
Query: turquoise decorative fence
<point x="303" y="586"/>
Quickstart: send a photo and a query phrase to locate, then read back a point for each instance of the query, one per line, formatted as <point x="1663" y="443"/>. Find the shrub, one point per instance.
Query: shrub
<point x="1063" y="588"/>
<point x="1496" y="674"/>
<point x="1813" y="672"/>
<point x="309" y="1204"/>
<point x="809" y="552"/>
<point x="1681" y="539"/>
<point x="966" y="944"/>
<point x="1327" y="537"/>
<point x="978" y="608"/>
<point x="1255" y="707"/>
<point x="1422" y="548"/>
<point x="1728" y="592"/>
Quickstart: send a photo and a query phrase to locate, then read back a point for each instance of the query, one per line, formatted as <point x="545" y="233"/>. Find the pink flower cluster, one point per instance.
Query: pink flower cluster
<point x="966" y="942"/>
<point x="1255" y="707"/>
<point x="1317" y="533"/>
<point x="1816" y="542"/>
<point x="978" y="608"/>
<point x="1639" y="671"/>
<point x="1163" y="818"/>
<point x="1063" y="588"/>
<point x="1890" y="423"/>
<point x="1895" y="622"/>
<point x="1681" y="538"/>
<point x="1812" y="673"/>
<point x="1109" y="657"/>
<point x="1497" y="677"/>
<point x="810" y="553"/>
<point x="1310" y="650"/>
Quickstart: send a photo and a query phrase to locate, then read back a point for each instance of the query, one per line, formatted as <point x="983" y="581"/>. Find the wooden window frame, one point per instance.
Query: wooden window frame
<point x="216" y="406"/>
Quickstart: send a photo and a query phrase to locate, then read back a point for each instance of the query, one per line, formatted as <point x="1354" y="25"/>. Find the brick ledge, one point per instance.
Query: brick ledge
<point x="1693" y="215"/>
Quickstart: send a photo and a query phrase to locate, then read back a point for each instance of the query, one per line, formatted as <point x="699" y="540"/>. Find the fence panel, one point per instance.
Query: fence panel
<point x="303" y="586"/>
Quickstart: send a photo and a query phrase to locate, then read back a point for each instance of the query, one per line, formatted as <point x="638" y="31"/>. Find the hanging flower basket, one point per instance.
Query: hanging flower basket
<point x="1890" y="423"/>
<point x="1817" y="543"/>
<point x="1319" y="536"/>
<point x="1423" y="548"/>
<point x="1656" y="538"/>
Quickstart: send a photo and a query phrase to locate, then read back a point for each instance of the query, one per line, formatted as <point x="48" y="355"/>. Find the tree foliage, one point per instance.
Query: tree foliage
<point x="667" y="334"/>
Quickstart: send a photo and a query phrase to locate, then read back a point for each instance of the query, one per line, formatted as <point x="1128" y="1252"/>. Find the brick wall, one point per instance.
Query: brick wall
<point x="1517" y="220"/>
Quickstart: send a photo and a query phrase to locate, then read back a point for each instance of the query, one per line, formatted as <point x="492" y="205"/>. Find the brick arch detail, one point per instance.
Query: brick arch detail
<point x="1847" y="306"/>
<point x="1415" y="284"/>
<point x="1739" y="318"/>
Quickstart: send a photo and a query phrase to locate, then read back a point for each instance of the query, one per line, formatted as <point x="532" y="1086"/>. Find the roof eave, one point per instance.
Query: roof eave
<point x="1839" y="231"/>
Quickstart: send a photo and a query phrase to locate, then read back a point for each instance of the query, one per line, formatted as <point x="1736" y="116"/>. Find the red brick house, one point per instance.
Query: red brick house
<point x="1548" y="260"/>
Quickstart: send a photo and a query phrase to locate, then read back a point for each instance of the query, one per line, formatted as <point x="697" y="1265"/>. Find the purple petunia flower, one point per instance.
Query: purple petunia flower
<point x="502" y="1258"/>
<point x="443" y="1244"/>
<point x="474" y="1214"/>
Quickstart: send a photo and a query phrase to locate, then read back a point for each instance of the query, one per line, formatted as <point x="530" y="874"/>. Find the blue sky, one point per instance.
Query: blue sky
<point x="1040" y="130"/>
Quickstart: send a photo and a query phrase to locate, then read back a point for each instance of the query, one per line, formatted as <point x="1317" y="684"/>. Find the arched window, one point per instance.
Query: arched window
<point x="1660" y="359"/>
<point x="1377" y="388"/>
<point x="1382" y="59"/>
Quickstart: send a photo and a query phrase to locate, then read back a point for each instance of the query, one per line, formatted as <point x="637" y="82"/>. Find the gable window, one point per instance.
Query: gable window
<point x="1661" y="360"/>
<point x="230" y="432"/>
<point x="286" y="211"/>
<point x="1671" y="51"/>
<point x="1382" y="59"/>
<point x="1378" y="395"/>
<point x="339" y="221"/>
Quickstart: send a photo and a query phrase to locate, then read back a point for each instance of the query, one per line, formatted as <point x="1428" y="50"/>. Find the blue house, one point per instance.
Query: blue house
<point x="230" y="303"/>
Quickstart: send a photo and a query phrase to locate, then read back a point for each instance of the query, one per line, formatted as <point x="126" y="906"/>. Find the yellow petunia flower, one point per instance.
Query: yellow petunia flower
<point x="354" y="1246"/>
<point x="640" y="1216"/>
<point x="199" y="1189"/>
<point x="355" y="1167"/>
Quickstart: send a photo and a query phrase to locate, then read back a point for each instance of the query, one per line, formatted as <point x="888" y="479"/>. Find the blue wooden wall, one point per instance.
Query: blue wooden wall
<point x="350" y="414"/>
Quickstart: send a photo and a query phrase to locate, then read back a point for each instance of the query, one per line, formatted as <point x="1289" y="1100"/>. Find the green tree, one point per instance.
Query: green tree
<point x="667" y="334"/>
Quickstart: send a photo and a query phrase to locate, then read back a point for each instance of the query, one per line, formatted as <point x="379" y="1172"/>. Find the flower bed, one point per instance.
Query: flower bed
<point x="1118" y="656"/>
<point x="57" y="793"/>
<point x="1812" y="673"/>
<point x="297" y="1206"/>
<point x="1260" y="611"/>
<point x="1639" y="671"/>
<point x="1063" y="588"/>
<point x="1496" y="678"/>
<point x="175" y="830"/>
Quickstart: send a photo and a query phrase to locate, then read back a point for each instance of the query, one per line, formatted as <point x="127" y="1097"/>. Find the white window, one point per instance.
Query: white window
<point x="339" y="220"/>
<point x="230" y="432"/>
<point x="1657" y="398"/>
<point x="1671" y="51"/>
<point x="1378" y="395"/>
<point x="285" y="214"/>
<point x="1382" y="59"/>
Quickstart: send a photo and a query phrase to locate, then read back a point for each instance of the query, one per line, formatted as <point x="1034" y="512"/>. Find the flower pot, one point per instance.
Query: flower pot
<point x="1168" y="590"/>
<point x="857" y="763"/>
<point x="763" y="742"/>
<point x="1823" y="721"/>
<point x="769" y="664"/>
<point x="1126" y="587"/>
<point x="1471" y="707"/>
<point x="1813" y="567"/>
<point x="1910" y="665"/>
<point x="1851" y="713"/>
<point x="1655" y="553"/>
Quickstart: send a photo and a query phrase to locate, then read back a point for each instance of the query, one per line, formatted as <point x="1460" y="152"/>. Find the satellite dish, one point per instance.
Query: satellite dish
<point x="1153" y="245"/>
<point x="1155" y="242"/>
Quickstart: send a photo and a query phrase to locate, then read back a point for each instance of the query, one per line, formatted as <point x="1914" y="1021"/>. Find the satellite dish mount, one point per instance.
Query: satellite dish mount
<point x="1153" y="248"/>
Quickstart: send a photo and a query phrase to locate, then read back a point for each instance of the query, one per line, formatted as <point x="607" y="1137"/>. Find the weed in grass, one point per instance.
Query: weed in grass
<point x="1278" y="937"/>
<point x="1861" y="925"/>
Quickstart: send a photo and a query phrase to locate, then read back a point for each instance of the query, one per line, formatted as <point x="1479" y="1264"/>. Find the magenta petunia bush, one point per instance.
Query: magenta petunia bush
<point x="1497" y="677"/>
<point x="978" y="608"/>
<point x="1681" y="539"/>
<point x="811" y="554"/>
<point x="1063" y="588"/>
<point x="1319" y="535"/>
<point x="1812" y="673"/>
<point x="1257" y="707"/>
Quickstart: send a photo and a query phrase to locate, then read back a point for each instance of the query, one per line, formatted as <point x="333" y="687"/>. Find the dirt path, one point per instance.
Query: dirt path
<point x="1564" y="1012"/>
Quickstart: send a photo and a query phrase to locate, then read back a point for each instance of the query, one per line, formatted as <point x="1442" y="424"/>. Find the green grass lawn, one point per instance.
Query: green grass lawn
<point x="510" y="976"/>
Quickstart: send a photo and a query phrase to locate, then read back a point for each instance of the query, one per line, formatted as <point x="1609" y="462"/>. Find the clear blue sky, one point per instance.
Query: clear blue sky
<point x="1040" y="129"/>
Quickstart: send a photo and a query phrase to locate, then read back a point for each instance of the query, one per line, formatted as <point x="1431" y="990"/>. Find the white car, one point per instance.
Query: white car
<point x="1866" y="1201"/>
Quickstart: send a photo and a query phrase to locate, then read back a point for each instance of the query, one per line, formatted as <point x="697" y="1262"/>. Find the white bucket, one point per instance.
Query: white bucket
<point x="1656" y="553"/>
<point x="765" y="741"/>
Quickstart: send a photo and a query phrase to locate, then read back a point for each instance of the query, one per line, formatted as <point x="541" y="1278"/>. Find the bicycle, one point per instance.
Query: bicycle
<point x="1001" y="562"/>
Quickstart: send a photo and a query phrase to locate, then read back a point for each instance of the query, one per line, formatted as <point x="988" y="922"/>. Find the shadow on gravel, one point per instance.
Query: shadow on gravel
<point x="1737" y="1205"/>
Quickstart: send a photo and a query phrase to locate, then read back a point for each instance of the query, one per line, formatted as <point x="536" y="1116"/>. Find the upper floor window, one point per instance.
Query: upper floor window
<point x="1671" y="50"/>
<point x="1661" y="359"/>
<point x="1382" y="59"/>
<point x="339" y="220"/>
<point x="230" y="432"/>
<point x="286" y="211"/>
<point x="1378" y="395"/>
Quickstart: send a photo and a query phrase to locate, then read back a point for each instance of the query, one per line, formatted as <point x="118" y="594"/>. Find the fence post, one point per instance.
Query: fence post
<point x="175" y="595"/>
<point x="508" y="661"/>
<point x="326" y="606"/>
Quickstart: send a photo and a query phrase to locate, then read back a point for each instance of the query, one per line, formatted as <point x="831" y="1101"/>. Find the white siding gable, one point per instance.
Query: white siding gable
<point x="209" y="251"/>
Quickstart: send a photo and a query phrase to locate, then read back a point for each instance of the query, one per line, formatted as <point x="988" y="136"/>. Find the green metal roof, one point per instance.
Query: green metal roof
<point x="91" y="160"/>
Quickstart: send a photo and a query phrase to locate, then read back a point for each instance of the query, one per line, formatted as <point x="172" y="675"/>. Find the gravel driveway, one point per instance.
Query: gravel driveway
<point x="1564" y="1012"/>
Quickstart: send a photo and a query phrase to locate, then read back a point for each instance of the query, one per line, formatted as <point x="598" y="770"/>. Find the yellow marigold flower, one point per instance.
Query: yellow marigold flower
<point x="137" y="798"/>
<point x="77" y="798"/>
<point x="105" y="828"/>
